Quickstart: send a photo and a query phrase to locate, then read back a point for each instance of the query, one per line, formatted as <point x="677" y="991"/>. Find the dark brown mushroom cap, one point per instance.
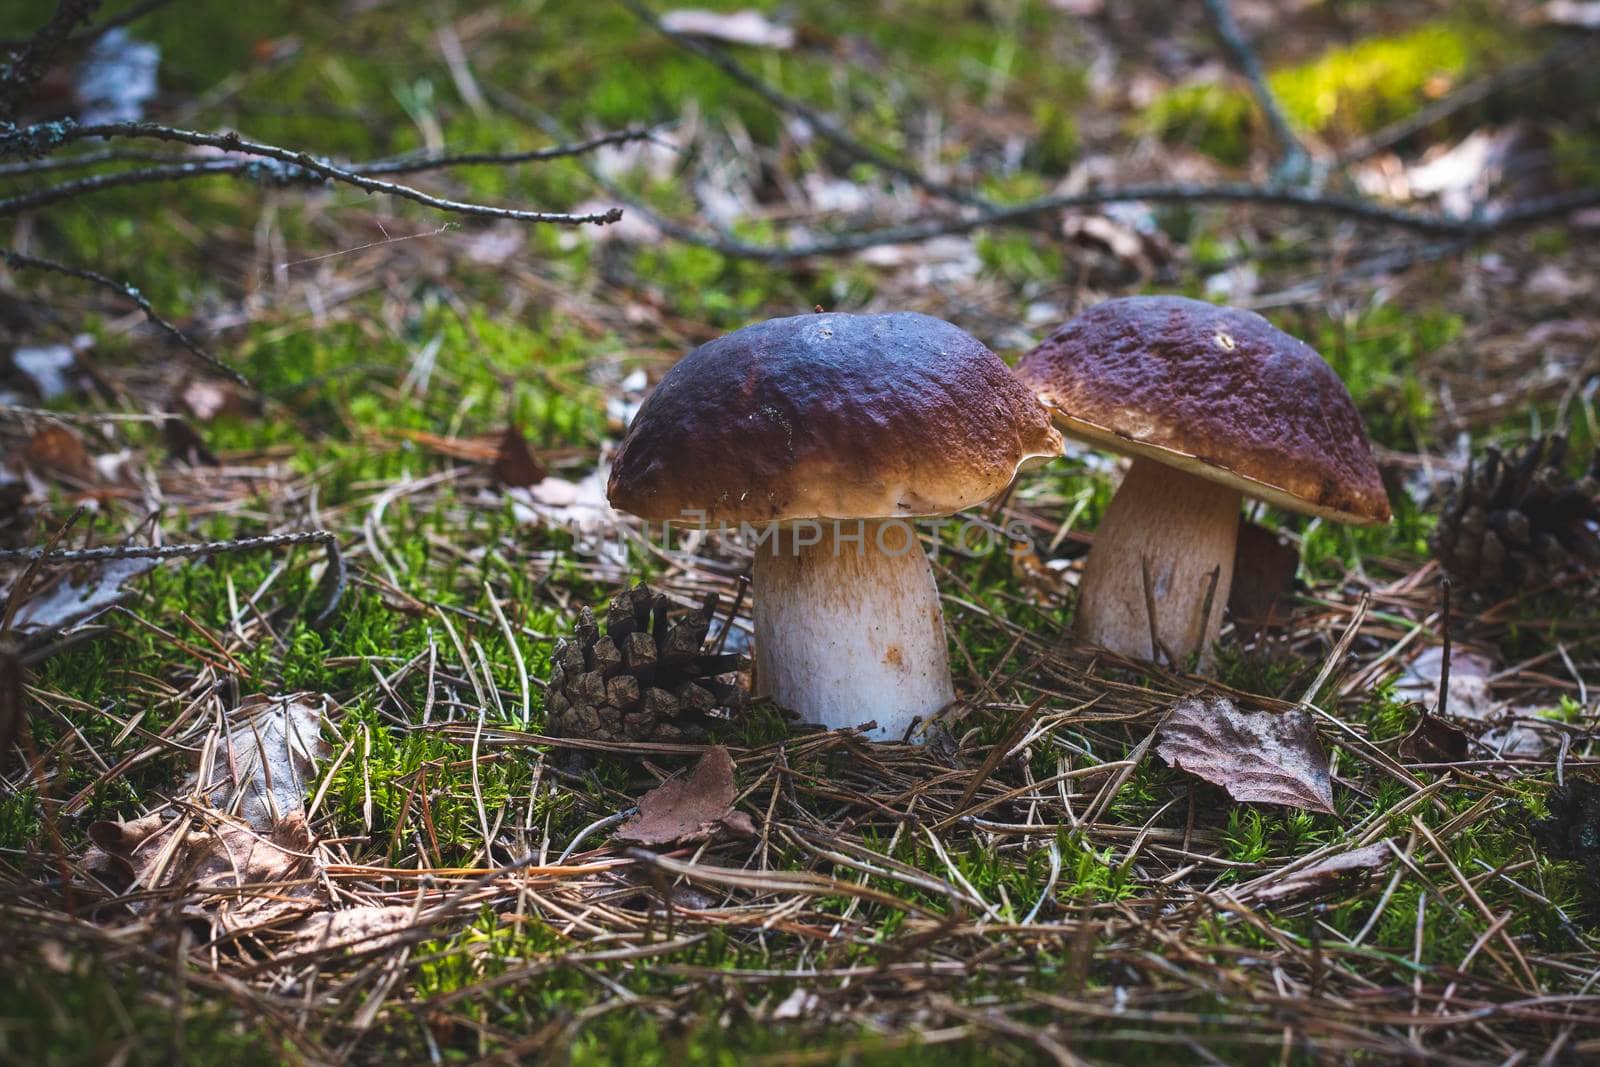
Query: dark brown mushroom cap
<point x="829" y="416"/>
<point x="1216" y="391"/>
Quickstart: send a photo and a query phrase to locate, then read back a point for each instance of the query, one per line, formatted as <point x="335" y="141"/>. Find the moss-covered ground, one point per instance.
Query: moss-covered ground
<point x="1070" y="907"/>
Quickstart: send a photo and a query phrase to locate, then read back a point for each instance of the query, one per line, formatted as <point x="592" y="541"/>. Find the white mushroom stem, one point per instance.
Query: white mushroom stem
<point x="1157" y="578"/>
<point x="848" y="626"/>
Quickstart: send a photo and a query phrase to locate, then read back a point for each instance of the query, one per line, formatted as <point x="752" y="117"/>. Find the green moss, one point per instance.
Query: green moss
<point x="1216" y="119"/>
<point x="1346" y="91"/>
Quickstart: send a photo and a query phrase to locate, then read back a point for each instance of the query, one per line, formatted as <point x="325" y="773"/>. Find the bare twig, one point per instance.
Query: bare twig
<point x="81" y="162"/>
<point x="29" y="62"/>
<point x="1442" y="704"/>
<point x="178" y="167"/>
<point x="416" y="164"/>
<point x="96" y="183"/>
<point x="326" y="538"/>
<point x="18" y="259"/>
<point x="286" y="166"/>
<point x="1295" y="166"/>
<point x="91" y="33"/>
<point x="1474" y="227"/>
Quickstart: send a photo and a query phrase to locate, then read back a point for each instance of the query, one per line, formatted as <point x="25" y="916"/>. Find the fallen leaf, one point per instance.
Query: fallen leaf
<point x="1469" y="696"/>
<point x="206" y="851"/>
<point x="1139" y="250"/>
<point x="59" y="451"/>
<point x="514" y="463"/>
<point x="116" y="78"/>
<point x="580" y="508"/>
<point x="688" y="810"/>
<point x="1519" y="740"/>
<point x="362" y="928"/>
<point x="85" y="592"/>
<point x="1435" y="739"/>
<point x="263" y="766"/>
<point x="735" y="27"/>
<point x="943" y="260"/>
<point x="233" y="877"/>
<point x="1260" y="756"/>
<point x="1321" y="879"/>
<point x="1264" y="568"/>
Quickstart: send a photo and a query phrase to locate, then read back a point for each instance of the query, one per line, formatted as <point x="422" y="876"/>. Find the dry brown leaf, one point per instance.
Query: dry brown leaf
<point x="1435" y="739"/>
<point x="268" y="759"/>
<point x="58" y="451"/>
<point x="85" y="592"/>
<point x="580" y="508"/>
<point x="218" y="870"/>
<point x="361" y="928"/>
<point x="1258" y="756"/>
<point x="207" y="852"/>
<point x="687" y="810"/>
<point x="514" y="464"/>
<point x="1321" y="879"/>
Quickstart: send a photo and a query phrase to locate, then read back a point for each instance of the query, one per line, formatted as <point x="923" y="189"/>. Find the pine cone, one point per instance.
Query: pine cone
<point x="648" y="678"/>
<point x="1520" y="520"/>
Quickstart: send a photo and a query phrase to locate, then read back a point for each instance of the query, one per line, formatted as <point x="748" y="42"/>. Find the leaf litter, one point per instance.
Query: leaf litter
<point x="245" y="859"/>
<point x="689" y="810"/>
<point x="262" y="766"/>
<point x="1258" y="756"/>
<point x="824" y="803"/>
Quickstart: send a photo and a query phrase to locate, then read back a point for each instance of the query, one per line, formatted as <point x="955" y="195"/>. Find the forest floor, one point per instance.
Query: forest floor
<point x="1035" y="884"/>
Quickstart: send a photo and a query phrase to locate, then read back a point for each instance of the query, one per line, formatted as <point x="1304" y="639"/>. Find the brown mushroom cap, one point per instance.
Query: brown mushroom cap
<point x="1216" y="391"/>
<point x="829" y="416"/>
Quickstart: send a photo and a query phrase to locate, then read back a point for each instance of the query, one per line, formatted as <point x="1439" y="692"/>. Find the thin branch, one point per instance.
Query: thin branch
<point x="91" y="33"/>
<point x="1470" y="228"/>
<point x="1295" y="166"/>
<point x="825" y="126"/>
<point x="292" y="166"/>
<point x="29" y="62"/>
<point x="17" y="260"/>
<point x="326" y="538"/>
<point x="87" y="159"/>
<point x="537" y="155"/>
<point x="98" y="183"/>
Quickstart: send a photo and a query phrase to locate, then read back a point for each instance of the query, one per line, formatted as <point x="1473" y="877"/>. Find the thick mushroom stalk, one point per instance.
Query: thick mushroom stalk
<point x="848" y="626"/>
<point x="1157" y="578"/>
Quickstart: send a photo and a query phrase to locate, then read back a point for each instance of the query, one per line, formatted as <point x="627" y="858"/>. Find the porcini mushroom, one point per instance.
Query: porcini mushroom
<point x="1213" y="403"/>
<point x="825" y="433"/>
